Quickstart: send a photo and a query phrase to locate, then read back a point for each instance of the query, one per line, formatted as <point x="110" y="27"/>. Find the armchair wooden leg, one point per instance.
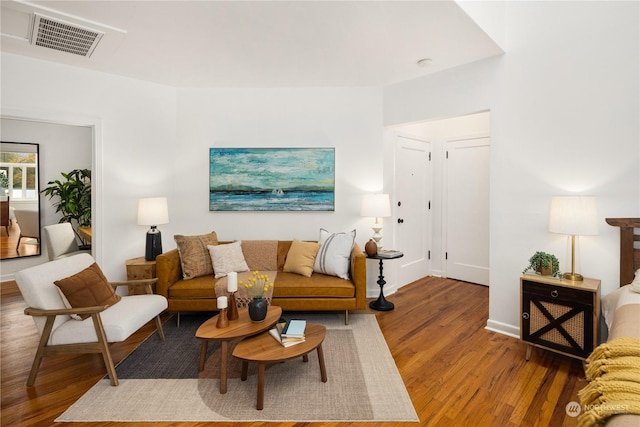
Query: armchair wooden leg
<point x="46" y="333"/>
<point x="159" y="328"/>
<point x="346" y="317"/>
<point x="104" y="347"/>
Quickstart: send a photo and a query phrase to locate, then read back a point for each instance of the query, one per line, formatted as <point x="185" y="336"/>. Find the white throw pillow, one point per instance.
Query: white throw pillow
<point x="334" y="255"/>
<point x="227" y="258"/>
<point x="635" y="285"/>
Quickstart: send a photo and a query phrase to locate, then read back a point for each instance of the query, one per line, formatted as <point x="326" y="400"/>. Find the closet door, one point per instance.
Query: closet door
<point x="466" y="218"/>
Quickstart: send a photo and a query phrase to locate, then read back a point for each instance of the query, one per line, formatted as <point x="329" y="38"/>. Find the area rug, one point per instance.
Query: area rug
<point x="160" y="381"/>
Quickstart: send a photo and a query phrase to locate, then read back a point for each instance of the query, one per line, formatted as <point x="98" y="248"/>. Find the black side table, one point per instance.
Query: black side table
<point x="381" y="304"/>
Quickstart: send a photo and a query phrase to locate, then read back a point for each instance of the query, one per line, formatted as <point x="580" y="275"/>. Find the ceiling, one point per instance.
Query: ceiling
<point x="259" y="43"/>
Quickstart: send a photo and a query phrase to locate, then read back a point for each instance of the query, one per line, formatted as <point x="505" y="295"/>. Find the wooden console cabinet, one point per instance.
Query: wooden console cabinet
<point x="560" y="315"/>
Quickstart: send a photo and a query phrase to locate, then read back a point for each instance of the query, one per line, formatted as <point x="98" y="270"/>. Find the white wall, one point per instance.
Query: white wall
<point x="62" y="149"/>
<point x="564" y="104"/>
<point x="154" y="140"/>
<point x="348" y="119"/>
<point x="133" y="127"/>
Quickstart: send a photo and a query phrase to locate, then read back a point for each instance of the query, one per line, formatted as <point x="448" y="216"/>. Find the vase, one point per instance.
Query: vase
<point x="258" y="309"/>
<point x="371" y="248"/>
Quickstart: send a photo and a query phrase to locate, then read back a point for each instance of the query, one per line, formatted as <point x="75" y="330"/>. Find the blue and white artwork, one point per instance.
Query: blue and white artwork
<point x="272" y="179"/>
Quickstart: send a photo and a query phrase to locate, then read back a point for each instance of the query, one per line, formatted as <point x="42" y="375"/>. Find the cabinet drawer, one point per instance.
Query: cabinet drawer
<point x="558" y="293"/>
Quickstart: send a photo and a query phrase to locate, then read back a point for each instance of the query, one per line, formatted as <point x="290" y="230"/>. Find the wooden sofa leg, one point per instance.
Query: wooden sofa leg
<point x="178" y="319"/>
<point x="104" y="348"/>
<point x="346" y="317"/>
<point x="46" y="333"/>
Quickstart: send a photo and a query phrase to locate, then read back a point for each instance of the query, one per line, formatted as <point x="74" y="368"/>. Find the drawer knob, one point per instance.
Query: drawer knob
<point x="554" y="293"/>
<point x="525" y="315"/>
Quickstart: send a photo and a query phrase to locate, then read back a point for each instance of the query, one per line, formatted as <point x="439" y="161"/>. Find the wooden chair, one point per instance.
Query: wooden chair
<point x="5" y="220"/>
<point x="60" y="334"/>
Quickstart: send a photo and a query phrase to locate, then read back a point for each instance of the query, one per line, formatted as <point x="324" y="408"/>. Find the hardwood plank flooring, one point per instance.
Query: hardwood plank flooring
<point x="456" y="372"/>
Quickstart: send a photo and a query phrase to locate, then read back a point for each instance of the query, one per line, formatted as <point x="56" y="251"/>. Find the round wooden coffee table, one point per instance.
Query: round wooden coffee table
<point x="265" y="349"/>
<point x="239" y="328"/>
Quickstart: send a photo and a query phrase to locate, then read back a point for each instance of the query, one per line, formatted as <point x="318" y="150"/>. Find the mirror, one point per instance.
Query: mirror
<point x="19" y="200"/>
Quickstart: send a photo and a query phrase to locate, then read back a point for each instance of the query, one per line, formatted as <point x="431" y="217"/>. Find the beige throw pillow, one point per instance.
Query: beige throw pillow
<point x="194" y="255"/>
<point x="301" y="257"/>
<point x="227" y="258"/>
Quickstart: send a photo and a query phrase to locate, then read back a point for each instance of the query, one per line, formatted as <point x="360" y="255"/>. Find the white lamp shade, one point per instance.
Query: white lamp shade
<point x="575" y="215"/>
<point x="375" y="205"/>
<point x="153" y="211"/>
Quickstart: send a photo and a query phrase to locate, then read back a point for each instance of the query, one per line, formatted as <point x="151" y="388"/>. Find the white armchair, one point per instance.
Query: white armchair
<point x="60" y="334"/>
<point x="60" y="241"/>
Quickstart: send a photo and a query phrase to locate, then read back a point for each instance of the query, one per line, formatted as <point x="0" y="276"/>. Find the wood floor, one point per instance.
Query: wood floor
<point x="456" y="372"/>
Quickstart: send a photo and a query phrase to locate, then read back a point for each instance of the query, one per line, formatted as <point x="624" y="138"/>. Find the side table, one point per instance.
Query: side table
<point x="140" y="268"/>
<point x="381" y="304"/>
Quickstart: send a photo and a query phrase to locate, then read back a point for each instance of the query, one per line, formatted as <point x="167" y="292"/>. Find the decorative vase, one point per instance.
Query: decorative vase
<point x="258" y="309"/>
<point x="371" y="248"/>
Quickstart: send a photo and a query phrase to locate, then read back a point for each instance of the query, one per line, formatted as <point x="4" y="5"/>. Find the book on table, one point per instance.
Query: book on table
<point x="390" y="254"/>
<point x="286" y="342"/>
<point x="294" y="329"/>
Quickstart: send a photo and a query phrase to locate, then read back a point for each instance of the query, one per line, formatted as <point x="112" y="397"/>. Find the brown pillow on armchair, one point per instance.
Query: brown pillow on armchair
<point x="87" y="288"/>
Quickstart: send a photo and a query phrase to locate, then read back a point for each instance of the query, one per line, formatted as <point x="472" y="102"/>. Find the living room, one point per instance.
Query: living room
<point x="564" y="103"/>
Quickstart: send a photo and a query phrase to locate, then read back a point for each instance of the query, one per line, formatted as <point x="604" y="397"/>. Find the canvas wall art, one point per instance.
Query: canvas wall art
<point x="272" y="179"/>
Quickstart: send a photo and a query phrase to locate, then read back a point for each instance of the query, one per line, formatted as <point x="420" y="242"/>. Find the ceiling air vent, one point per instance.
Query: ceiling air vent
<point x="64" y="36"/>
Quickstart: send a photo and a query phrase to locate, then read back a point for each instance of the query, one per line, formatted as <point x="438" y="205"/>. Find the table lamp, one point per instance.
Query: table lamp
<point x="377" y="206"/>
<point x="575" y="216"/>
<point x="153" y="212"/>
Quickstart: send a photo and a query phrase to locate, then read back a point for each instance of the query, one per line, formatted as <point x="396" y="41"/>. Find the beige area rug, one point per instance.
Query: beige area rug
<point x="363" y="381"/>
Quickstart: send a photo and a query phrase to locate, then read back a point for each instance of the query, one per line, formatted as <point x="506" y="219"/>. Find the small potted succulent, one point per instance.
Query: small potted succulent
<point x="544" y="264"/>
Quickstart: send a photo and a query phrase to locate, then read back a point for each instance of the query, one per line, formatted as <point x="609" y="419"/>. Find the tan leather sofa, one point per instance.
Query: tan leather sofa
<point x="291" y="291"/>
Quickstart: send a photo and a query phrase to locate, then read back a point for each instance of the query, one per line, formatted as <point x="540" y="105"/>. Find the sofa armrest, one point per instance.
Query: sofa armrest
<point x="168" y="271"/>
<point x="359" y="276"/>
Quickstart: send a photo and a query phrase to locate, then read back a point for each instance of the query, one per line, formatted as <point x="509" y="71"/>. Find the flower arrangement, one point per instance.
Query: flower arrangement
<point x="257" y="284"/>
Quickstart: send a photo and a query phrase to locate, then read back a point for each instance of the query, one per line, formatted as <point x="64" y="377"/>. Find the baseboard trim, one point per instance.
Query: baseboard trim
<point x="503" y="328"/>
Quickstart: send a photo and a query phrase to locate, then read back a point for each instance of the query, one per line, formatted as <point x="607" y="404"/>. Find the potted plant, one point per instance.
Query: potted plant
<point x="544" y="263"/>
<point x="74" y="198"/>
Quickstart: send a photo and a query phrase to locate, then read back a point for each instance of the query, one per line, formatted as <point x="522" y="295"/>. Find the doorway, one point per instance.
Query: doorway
<point x="451" y="187"/>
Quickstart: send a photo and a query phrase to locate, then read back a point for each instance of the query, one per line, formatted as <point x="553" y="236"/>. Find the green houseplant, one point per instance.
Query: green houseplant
<point x="544" y="263"/>
<point x="74" y="197"/>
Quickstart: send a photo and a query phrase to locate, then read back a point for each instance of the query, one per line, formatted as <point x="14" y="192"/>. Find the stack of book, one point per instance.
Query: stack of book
<point x="290" y="332"/>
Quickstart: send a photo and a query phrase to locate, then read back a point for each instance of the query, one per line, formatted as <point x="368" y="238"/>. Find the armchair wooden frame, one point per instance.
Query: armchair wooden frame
<point x="101" y="346"/>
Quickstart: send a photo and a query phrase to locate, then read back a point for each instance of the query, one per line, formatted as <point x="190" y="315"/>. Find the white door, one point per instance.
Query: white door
<point x="411" y="207"/>
<point x="466" y="219"/>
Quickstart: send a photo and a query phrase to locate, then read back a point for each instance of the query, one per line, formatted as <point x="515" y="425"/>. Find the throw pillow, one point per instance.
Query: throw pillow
<point x="301" y="257"/>
<point x="335" y="253"/>
<point x="635" y="285"/>
<point x="194" y="255"/>
<point x="88" y="288"/>
<point x="227" y="258"/>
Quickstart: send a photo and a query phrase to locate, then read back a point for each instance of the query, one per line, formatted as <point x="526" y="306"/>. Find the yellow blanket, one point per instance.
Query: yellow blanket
<point x="614" y="373"/>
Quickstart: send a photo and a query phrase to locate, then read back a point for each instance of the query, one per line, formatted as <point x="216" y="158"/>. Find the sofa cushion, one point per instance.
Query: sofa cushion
<point x="301" y="257"/>
<point x="319" y="285"/>
<point x="335" y="253"/>
<point x="200" y="287"/>
<point x="261" y="254"/>
<point x="194" y="255"/>
<point x="227" y="258"/>
<point x="87" y="288"/>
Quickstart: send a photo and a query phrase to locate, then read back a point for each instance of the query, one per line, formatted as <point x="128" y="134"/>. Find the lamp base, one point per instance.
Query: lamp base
<point x="574" y="277"/>
<point x="154" y="244"/>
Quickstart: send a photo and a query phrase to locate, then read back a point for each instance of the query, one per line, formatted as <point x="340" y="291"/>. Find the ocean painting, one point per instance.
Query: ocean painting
<point x="272" y="179"/>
